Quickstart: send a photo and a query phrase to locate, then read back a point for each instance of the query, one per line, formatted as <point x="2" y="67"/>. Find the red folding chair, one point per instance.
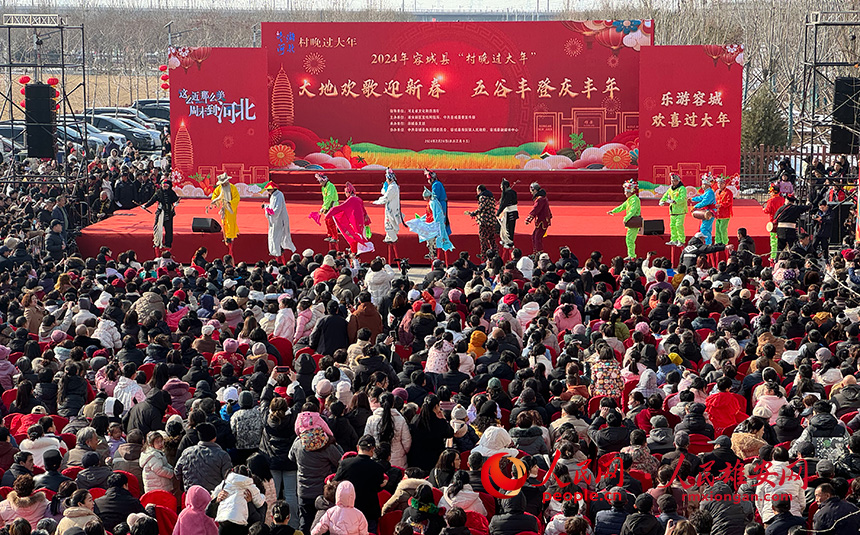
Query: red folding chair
<point x="388" y="522"/>
<point x="97" y="492"/>
<point x="594" y="404"/>
<point x="699" y="444"/>
<point x="70" y="439"/>
<point x="9" y="396"/>
<point x="285" y="348"/>
<point x="642" y="477"/>
<point x="159" y="497"/>
<point x="147" y="368"/>
<point x="72" y="471"/>
<point x="133" y="483"/>
<point x="489" y="503"/>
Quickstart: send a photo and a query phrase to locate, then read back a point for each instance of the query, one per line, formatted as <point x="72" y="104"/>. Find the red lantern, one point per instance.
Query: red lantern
<point x="56" y="94"/>
<point x="23" y="91"/>
<point x="53" y="80"/>
<point x="58" y="106"/>
<point x="162" y="68"/>
<point x="165" y="86"/>
<point x="24" y="79"/>
<point x="23" y="104"/>
<point x="165" y="77"/>
<point x="610" y="38"/>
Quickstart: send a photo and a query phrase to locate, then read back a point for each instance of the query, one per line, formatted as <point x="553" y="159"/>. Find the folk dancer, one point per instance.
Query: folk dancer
<point x="393" y="216"/>
<point x="725" y="200"/>
<point x="351" y="219"/>
<point x="226" y="199"/>
<point x="485" y="216"/>
<point x="676" y="198"/>
<point x="632" y="207"/>
<point x="439" y="193"/>
<point x="508" y="214"/>
<point x="431" y="228"/>
<point x="707" y="202"/>
<point x="329" y="194"/>
<point x="541" y="215"/>
<point x="774" y="203"/>
<point x="162" y="228"/>
<point x="280" y="239"/>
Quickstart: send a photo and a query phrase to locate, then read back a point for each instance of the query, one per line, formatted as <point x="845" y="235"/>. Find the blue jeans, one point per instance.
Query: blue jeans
<point x="285" y="485"/>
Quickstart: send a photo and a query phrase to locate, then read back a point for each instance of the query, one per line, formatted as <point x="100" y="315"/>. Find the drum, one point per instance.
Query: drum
<point x="769" y="226"/>
<point x="703" y="214"/>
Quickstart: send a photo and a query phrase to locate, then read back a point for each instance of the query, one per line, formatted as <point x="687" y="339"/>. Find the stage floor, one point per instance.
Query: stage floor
<point x="584" y="227"/>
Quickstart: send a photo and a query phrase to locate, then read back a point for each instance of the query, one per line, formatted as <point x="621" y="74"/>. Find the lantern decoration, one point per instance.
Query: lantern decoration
<point x="23" y="91"/>
<point x="53" y="80"/>
<point x="610" y="38"/>
<point x="24" y="79"/>
<point x="200" y="54"/>
<point x="23" y="104"/>
<point x="165" y="86"/>
<point x="714" y="51"/>
<point x="56" y="94"/>
<point x="162" y="68"/>
<point x="183" y="151"/>
<point x="165" y="77"/>
<point x="58" y="106"/>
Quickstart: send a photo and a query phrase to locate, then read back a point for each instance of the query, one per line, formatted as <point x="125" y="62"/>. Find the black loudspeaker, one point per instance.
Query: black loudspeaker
<point x="205" y="224"/>
<point x="41" y="120"/>
<point x="846" y="112"/>
<point x="652" y="227"/>
<point x="840" y="214"/>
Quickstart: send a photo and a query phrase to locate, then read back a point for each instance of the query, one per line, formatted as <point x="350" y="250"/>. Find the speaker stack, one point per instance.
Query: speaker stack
<point x="846" y="116"/>
<point x="41" y="120"/>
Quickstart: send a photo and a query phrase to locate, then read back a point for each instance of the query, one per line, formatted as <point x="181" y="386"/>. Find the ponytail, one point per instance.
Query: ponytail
<point x="386" y="426"/>
<point x="460" y="480"/>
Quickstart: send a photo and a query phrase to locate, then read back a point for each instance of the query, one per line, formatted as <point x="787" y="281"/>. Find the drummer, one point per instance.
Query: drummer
<point x="706" y="208"/>
<point x="774" y="203"/>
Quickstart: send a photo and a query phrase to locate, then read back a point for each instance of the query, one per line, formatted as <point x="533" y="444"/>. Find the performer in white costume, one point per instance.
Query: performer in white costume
<point x="393" y="216"/>
<point x="279" y="223"/>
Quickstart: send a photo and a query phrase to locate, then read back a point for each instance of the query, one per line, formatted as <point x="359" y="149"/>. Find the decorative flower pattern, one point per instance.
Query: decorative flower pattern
<point x="626" y="26"/>
<point x="281" y="155"/>
<point x="612" y="61"/>
<point x="616" y="159"/>
<point x="611" y="105"/>
<point x="573" y="47"/>
<point x="314" y="63"/>
<point x="671" y="143"/>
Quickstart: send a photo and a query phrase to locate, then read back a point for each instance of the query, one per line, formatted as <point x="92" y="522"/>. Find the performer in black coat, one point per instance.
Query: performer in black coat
<point x="164" y="214"/>
<point x="508" y="214"/>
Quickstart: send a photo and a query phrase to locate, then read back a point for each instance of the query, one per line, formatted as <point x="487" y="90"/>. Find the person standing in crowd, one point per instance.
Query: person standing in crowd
<point x="786" y="222"/>
<point x="676" y="198"/>
<point x="774" y="203"/>
<point x="542" y="217"/>
<point x="508" y="213"/>
<point x="390" y="199"/>
<point x="725" y="201"/>
<point x="706" y="203"/>
<point x="632" y="208"/>
<point x="280" y="239"/>
<point x="330" y="200"/>
<point x="225" y="197"/>
<point x="823" y="228"/>
<point x="485" y="216"/>
<point x="162" y="228"/>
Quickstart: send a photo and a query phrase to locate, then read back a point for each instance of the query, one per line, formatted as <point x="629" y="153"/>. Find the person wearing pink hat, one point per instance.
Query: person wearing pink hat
<point x="229" y="355"/>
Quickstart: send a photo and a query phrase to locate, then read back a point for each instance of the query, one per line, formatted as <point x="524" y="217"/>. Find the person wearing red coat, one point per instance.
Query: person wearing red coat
<point x="774" y="203"/>
<point x="541" y="215"/>
<point x="725" y="200"/>
<point x="724" y="408"/>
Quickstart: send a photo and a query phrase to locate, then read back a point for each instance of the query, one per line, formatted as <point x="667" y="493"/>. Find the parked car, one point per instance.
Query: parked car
<point x="130" y="113"/>
<point x="67" y="133"/>
<point x="140" y="138"/>
<point x="154" y="134"/>
<point x="17" y="132"/>
<point x="11" y="150"/>
<point x="161" y="111"/>
<point x="94" y="132"/>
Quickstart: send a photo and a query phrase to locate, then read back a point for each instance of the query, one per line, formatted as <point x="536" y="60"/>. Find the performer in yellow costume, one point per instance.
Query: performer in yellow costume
<point x="226" y="199"/>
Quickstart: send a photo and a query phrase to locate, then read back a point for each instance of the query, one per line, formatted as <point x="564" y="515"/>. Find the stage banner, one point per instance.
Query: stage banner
<point x="465" y="95"/>
<point x="690" y="100"/>
<point x="219" y="112"/>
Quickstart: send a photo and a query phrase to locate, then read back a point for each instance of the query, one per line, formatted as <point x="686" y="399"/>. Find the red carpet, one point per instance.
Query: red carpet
<point x="584" y="227"/>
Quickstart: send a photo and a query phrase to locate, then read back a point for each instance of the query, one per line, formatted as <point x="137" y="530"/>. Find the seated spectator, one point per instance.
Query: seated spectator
<point x="79" y="512"/>
<point x="93" y="475"/>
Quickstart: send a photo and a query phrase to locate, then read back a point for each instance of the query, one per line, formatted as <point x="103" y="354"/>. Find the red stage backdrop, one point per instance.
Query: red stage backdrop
<point x="690" y="100"/>
<point x="470" y="95"/>
<point x="218" y="120"/>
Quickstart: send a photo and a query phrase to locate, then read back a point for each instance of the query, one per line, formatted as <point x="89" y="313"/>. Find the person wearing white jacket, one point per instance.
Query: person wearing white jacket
<point x="230" y="494"/>
<point x="378" y="280"/>
<point x="285" y="321"/>
<point x="781" y="481"/>
<point x="388" y="425"/>
<point x="157" y="472"/>
<point x="107" y="333"/>
<point x="460" y="494"/>
<point x="37" y="444"/>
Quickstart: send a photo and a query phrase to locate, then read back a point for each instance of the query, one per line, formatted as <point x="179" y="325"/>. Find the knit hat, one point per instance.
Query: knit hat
<point x="659" y="421"/>
<point x="762" y="412"/>
<point x="231" y="345"/>
<point x="89" y="459"/>
<point x="458" y="413"/>
<point x="246" y="400"/>
<point x="4" y="352"/>
<point x="58" y="336"/>
<point x="328" y="260"/>
<point x="324" y="388"/>
<point x="494" y="383"/>
<point x="343" y="393"/>
<point x="259" y="349"/>
<point x="401" y="393"/>
<point x="676" y="359"/>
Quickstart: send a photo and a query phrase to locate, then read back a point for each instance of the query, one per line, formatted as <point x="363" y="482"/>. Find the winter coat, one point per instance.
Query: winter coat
<point x="115" y="506"/>
<point x="366" y="316"/>
<point x="193" y="519"/>
<point x="404" y="492"/>
<point x="695" y="423"/>
<point x="832" y="515"/>
<point x="75" y="517"/>
<point x="427" y="443"/>
<point x="661" y="440"/>
<point x="345" y="283"/>
<point x="343" y="518"/>
<point x="31" y="508"/>
<point x="234" y="508"/>
<point x="467" y="499"/>
<point x="781" y="480"/>
<point x="76" y="397"/>
<point x="827" y="434"/>
<point x="304" y="324"/>
<point x="205" y="464"/>
<point x="46" y="395"/>
<point x="7" y="373"/>
<point x="529" y="440"/>
<point x="724" y="409"/>
<point x="847" y="400"/>
<point x="179" y="394"/>
<point x="285" y="324"/>
<point x="329" y="335"/>
<point x="609" y="521"/>
<point x="127" y="458"/>
<point x="313" y="467"/>
<point x="93" y="477"/>
<point x="247" y="426"/>
<point x="510" y="518"/>
<point x="402" y="440"/>
<point x="129" y="393"/>
<point x="148" y="303"/>
<point x="147" y="416"/>
<point x="642" y="524"/>
<point x="422" y="325"/>
<point x="344" y="433"/>
<point x="378" y="283"/>
<point x="107" y="333"/>
<point x="157" y="472"/>
<point x="38" y="448"/>
<point x="367" y="366"/>
<point x="729" y="518"/>
<point x="787" y="428"/>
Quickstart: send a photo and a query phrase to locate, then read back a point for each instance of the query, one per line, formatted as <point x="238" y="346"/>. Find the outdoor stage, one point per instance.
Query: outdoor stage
<point x="583" y="226"/>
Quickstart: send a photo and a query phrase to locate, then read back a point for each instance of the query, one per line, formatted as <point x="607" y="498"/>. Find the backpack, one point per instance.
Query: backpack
<point x="313" y="439"/>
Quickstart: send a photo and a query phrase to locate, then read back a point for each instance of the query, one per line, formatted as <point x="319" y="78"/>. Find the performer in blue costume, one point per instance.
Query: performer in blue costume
<point x="430" y="227"/>
<point x="707" y="201"/>
<point x="439" y="194"/>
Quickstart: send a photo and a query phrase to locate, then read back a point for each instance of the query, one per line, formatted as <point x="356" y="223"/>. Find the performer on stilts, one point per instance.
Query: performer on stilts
<point x="351" y="219"/>
<point x="431" y="227"/>
<point x="280" y="239"/>
<point x="676" y="198"/>
<point x="725" y="200"/>
<point x="485" y="215"/>
<point x="508" y="214"/>
<point x="774" y="203"/>
<point x="226" y="199"/>
<point x="632" y="208"/>
<point x="329" y="193"/>
<point x="706" y="206"/>
<point x="162" y="227"/>
<point x="439" y="193"/>
<point x="393" y="216"/>
<point x="541" y="215"/>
